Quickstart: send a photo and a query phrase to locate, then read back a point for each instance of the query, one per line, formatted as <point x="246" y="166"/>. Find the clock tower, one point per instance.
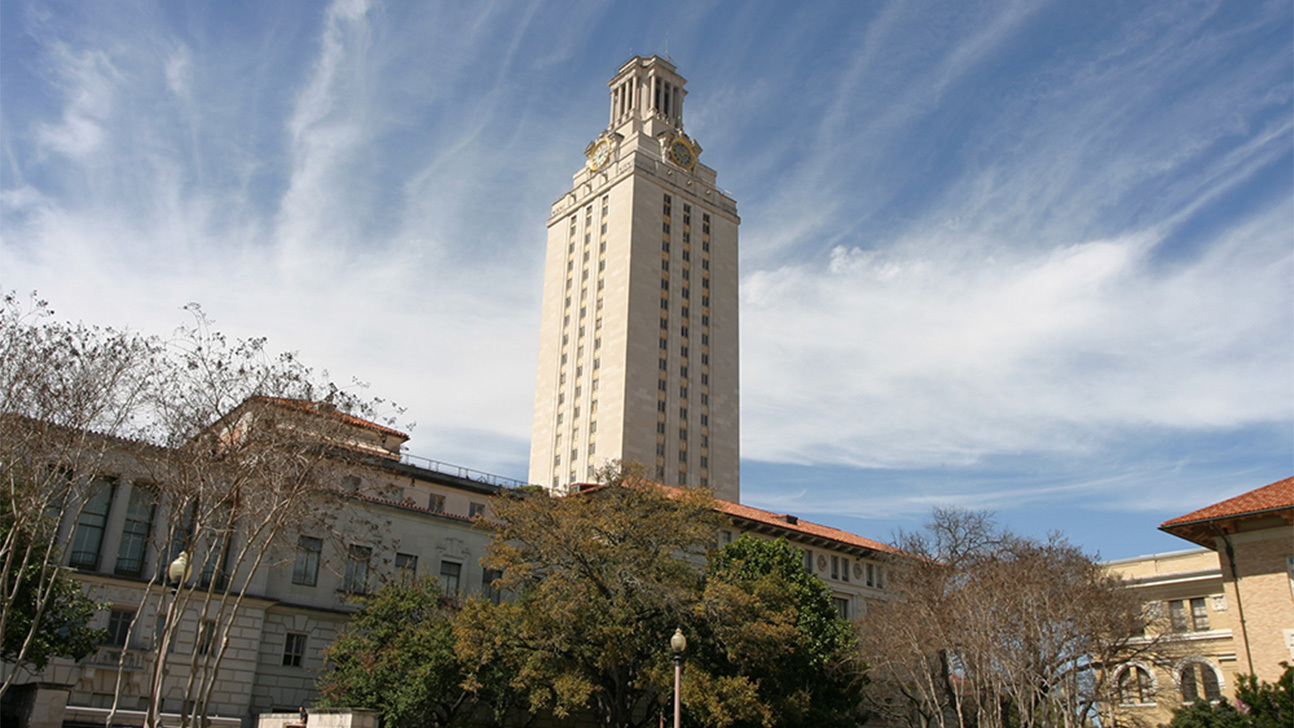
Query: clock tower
<point x="638" y="338"/>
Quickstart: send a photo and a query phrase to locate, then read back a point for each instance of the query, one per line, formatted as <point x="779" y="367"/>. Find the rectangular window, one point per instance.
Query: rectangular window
<point x="488" y="590"/>
<point x="844" y="568"/>
<point x="871" y="581"/>
<point x="450" y="574"/>
<point x="808" y="561"/>
<point x="356" y="578"/>
<point x="206" y="636"/>
<point x="294" y="649"/>
<point x="406" y="566"/>
<point x="306" y="569"/>
<point x="835" y="567"/>
<point x="1199" y="615"/>
<point x="842" y="607"/>
<point x="119" y="626"/>
<point x="134" y="536"/>
<point x="1177" y="616"/>
<point x="88" y="537"/>
<point x="436" y="502"/>
<point x="475" y="509"/>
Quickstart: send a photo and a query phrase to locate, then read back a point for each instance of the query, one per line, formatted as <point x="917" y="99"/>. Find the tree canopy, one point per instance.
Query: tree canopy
<point x="996" y="630"/>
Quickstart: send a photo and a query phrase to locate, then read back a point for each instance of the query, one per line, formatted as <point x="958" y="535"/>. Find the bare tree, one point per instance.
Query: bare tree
<point x="990" y="629"/>
<point x="230" y="449"/>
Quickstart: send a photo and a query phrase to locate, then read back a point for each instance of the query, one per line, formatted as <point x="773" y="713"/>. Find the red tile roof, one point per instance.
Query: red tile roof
<point x="1271" y="497"/>
<point x="783" y="521"/>
<point x="322" y="409"/>
<point x="792" y="523"/>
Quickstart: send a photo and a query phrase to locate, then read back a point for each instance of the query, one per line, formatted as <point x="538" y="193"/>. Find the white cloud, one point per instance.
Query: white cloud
<point x="88" y="81"/>
<point x="938" y="352"/>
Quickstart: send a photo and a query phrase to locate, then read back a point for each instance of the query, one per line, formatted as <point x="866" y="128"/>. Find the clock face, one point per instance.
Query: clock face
<point x="600" y="156"/>
<point x="681" y="152"/>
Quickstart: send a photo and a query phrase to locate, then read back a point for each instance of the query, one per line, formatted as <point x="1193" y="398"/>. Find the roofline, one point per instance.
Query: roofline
<point x="1167" y="525"/>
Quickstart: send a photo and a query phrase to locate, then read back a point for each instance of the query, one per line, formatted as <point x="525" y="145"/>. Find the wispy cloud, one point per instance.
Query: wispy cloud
<point x="1026" y="231"/>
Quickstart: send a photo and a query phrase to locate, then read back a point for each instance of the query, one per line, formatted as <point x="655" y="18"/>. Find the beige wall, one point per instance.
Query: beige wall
<point x="1178" y="576"/>
<point x="623" y="291"/>
<point x="1261" y="586"/>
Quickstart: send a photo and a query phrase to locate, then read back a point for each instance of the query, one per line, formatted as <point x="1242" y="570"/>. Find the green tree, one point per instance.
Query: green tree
<point x="397" y="657"/>
<point x="1259" y="705"/>
<point x="601" y="580"/>
<point x="47" y="613"/>
<point x="773" y="649"/>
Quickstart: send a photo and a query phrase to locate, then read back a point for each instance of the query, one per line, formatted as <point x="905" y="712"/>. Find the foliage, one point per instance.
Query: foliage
<point x="234" y="448"/>
<point x="602" y="579"/>
<point x="1259" y="705"/>
<point x="397" y="657"/>
<point x="773" y="650"/>
<point x="56" y="627"/>
<point x="996" y="630"/>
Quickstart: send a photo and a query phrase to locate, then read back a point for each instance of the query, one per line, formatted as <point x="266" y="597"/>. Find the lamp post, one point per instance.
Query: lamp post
<point x="176" y="573"/>
<point x="677" y="644"/>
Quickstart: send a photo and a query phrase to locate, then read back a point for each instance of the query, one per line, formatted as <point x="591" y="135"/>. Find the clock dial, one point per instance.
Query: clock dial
<point x="681" y="152"/>
<point x="600" y="156"/>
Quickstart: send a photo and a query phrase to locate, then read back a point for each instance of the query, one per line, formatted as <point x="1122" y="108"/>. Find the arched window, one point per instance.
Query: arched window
<point x="1136" y="686"/>
<point x="1198" y="679"/>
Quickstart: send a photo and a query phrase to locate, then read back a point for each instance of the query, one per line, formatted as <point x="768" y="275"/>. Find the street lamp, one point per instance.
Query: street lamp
<point x="677" y="644"/>
<point x="176" y="573"/>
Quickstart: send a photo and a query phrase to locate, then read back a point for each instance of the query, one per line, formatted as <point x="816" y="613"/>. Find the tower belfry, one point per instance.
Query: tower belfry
<point x="638" y="338"/>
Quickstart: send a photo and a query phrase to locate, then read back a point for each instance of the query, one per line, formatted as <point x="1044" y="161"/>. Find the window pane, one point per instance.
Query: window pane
<point x="406" y="566"/>
<point x="1189" y="693"/>
<point x="306" y="569"/>
<point x="119" y="626"/>
<point x="450" y="573"/>
<point x="89" y="526"/>
<point x="294" y="649"/>
<point x="1199" y="615"/>
<point x="356" y="579"/>
<point x="135" y="532"/>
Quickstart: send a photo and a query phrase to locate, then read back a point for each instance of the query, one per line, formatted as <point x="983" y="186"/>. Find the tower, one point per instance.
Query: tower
<point x="638" y="339"/>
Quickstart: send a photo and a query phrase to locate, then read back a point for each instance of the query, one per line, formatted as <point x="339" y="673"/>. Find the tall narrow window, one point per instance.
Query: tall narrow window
<point x="88" y="537"/>
<point x="305" y="571"/>
<point x="450" y="575"/>
<point x="119" y="621"/>
<point x="406" y="566"/>
<point x="294" y="649"/>
<point x="135" y="532"/>
<point x="206" y="636"/>
<point x="1135" y="686"/>
<point x="488" y="590"/>
<point x="1199" y="680"/>
<point x="356" y="578"/>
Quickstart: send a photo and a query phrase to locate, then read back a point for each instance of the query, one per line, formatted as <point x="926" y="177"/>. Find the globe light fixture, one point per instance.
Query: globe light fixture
<point x="677" y="644"/>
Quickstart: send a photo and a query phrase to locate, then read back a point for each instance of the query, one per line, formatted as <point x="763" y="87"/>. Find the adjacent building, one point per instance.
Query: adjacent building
<point x="1219" y="611"/>
<point x="638" y="335"/>
<point x="1253" y="537"/>
<point x="254" y="627"/>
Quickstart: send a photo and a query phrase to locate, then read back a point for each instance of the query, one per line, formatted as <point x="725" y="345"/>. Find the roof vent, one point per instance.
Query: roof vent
<point x="787" y="517"/>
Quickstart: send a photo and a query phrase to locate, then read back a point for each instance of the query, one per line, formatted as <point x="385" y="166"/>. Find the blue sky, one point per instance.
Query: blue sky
<point x="1034" y="257"/>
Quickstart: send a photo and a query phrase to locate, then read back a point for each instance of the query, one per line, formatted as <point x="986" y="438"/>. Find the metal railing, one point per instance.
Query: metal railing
<point x="459" y="471"/>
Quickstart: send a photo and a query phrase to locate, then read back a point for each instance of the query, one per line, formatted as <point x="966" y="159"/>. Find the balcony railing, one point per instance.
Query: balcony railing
<point x="459" y="471"/>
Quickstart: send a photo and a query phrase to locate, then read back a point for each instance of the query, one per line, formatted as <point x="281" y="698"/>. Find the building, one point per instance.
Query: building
<point x="255" y="613"/>
<point x="1219" y="611"/>
<point x="1253" y="537"/>
<point x="638" y="336"/>
<point x="855" y="569"/>
<point x="1190" y="649"/>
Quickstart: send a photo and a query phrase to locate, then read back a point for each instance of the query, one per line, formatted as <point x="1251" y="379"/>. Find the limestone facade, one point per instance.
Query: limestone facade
<point x="638" y="336"/>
